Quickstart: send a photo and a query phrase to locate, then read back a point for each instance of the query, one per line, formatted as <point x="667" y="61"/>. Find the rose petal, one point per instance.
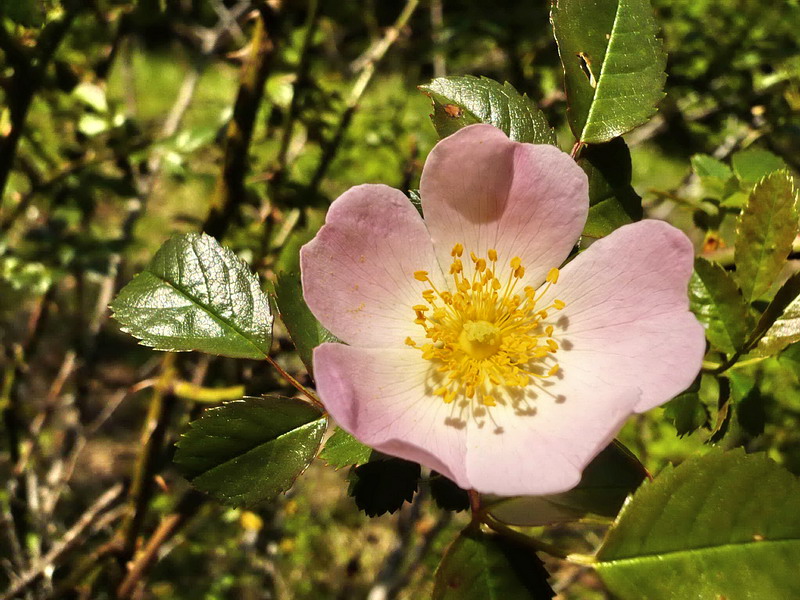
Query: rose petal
<point x="484" y="191"/>
<point x="570" y="421"/>
<point x="383" y="398"/>
<point x="627" y="319"/>
<point x="358" y="271"/>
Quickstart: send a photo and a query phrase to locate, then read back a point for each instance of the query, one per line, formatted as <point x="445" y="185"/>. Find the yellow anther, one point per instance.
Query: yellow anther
<point x="480" y="265"/>
<point x="440" y="391"/>
<point x="516" y="262"/>
<point x="456" y="267"/>
<point x="458" y="250"/>
<point x="553" y="370"/>
<point x="421" y="275"/>
<point x="464" y="285"/>
<point x="552" y="275"/>
<point x="449" y="397"/>
<point x="553" y="345"/>
<point x="473" y="257"/>
<point x="548" y="331"/>
<point x="558" y="304"/>
<point x="489" y="401"/>
<point x="496" y="285"/>
<point x="420" y="307"/>
<point x="519" y="272"/>
<point x="492" y="255"/>
<point x="410" y="342"/>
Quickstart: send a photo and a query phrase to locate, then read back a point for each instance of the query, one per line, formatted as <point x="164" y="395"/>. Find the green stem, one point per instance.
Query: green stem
<point x="532" y="542"/>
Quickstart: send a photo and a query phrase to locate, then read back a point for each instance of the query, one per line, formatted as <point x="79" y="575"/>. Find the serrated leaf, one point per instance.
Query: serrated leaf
<point x="753" y="164"/>
<point x="780" y="322"/>
<point x="251" y="450"/>
<point x="612" y="200"/>
<point x="197" y="295"/>
<point x="343" y="450"/>
<point x="383" y="484"/>
<point x="724" y="525"/>
<point x="464" y="100"/>
<point x="446" y="494"/>
<point x="686" y="411"/>
<point x="485" y="566"/>
<point x="613" y="65"/>
<point x="765" y="232"/>
<point x="605" y="484"/>
<point x="717" y="302"/>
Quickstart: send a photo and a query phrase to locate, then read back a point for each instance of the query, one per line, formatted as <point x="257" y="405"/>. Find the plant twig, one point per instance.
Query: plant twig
<point x="371" y="59"/>
<point x="68" y="541"/>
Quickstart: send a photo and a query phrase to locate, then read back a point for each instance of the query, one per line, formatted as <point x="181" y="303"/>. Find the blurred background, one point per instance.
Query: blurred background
<point x="115" y="133"/>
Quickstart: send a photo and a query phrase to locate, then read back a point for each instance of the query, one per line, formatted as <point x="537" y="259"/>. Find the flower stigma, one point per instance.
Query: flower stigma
<point x="484" y="333"/>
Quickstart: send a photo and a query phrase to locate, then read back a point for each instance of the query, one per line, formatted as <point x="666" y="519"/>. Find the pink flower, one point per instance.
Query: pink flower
<point x="467" y="349"/>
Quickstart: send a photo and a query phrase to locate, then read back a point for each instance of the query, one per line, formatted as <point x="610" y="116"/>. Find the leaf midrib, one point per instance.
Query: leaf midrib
<point x="600" y="78"/>
<point x="689" y="551"/>
<point x="256" y="447"/>
<point x="218" y="318"/>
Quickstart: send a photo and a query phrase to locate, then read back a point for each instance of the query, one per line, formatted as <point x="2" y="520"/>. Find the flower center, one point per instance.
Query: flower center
<point x="483" y="334"/>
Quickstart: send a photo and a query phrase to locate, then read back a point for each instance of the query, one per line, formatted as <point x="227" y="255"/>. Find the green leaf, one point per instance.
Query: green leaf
<point x="612" y="200"/>
<point x="715" y="176"/>
<point x="750" y="402"/>
<point x="459" y="101"/>
<point x="446" y="494"/>
<point x="485" y="566"/>
<point x="306" y="332"/>
<point x="765" y="232"/>
<point x="613" y="65"/>
<point x="383" y="484"/>
<point x="343" y="450"/>
<point x="780" y="322"/>
<point x="251" y="450"/>
<point x="724" y="525"/>
<point x="718" y="304"/>
<point x="605" y="484"/>
<point x="753" y="164"/>
<point x="197" y="295"/>
<point x="686" y="411"/>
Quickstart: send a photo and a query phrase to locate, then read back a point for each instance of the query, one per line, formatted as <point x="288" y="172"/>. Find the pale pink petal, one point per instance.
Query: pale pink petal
<point x="358" y="271"/>
<point x="627" y="319"/>
<point x="384" y="398"/>
<point x="484" y="191"/>
<point x="543" y="446"/>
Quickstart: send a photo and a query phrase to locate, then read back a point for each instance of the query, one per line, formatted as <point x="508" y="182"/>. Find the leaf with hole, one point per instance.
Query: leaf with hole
<point x="485" y="566"/>
<point x="251" y="450"/>
<point x="464" y="100"/>
<point x="613" y="65"/>
<point x="196" y="295"/>
<point x="724" y="525"/>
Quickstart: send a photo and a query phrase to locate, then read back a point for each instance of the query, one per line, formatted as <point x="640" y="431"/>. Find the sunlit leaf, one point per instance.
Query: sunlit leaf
<point x="251" y="450"/>
<point x="197" y="295"/>
<point x="764" y="235"/>
<point x="485" y="566"/>
<point x="725" y="525"/>
<point x="780" y="322"/>
<point x="718" y="304"/>
<point x="613" y="65"/>
<point x="753" y="164"/>
<point x="464" y="100"/>
<point x="343" y="450"/>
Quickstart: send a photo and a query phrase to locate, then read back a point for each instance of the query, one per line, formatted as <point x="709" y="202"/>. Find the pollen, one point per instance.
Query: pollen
<point x="483" y="334"/>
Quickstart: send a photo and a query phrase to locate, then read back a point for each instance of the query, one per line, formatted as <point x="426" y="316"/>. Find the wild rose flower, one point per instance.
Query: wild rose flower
<point x="466" y="348"/>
